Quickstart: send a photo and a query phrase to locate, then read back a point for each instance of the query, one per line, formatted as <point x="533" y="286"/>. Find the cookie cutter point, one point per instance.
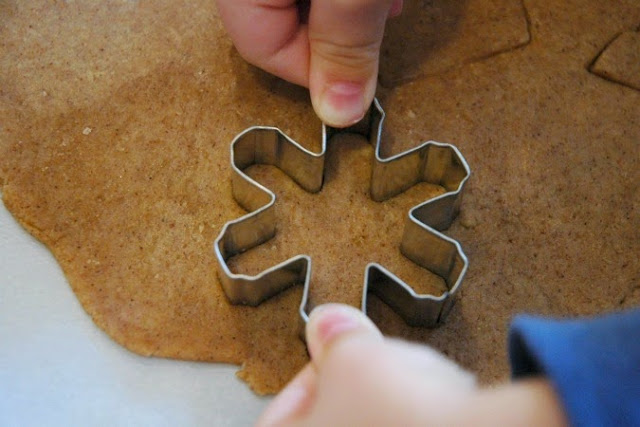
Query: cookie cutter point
<point x="422" y="241"/>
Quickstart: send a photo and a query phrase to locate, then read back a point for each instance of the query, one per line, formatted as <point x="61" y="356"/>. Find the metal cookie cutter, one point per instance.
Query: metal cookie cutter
<point x="422" y="241"/>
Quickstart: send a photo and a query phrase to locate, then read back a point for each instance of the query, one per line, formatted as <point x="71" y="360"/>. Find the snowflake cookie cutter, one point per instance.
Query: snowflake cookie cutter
<point x="423" y="242"/>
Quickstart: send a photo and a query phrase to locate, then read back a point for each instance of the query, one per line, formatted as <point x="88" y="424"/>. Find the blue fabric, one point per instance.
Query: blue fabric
<point x="593" y="364"/>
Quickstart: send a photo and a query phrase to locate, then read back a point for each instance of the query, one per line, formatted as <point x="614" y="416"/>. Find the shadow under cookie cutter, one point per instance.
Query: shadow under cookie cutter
<point x="422" y="241"/>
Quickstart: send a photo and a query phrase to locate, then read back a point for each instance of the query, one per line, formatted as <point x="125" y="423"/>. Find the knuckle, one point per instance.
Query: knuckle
<point x="349" y="55"/>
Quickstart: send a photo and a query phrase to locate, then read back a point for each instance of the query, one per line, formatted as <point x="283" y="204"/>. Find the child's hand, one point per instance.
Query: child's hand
<point x="358" y="378"/>
<point x="334" y="52"/>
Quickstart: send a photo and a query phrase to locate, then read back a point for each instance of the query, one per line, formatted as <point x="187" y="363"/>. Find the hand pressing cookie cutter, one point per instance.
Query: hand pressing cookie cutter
<point x="422" y="241"/>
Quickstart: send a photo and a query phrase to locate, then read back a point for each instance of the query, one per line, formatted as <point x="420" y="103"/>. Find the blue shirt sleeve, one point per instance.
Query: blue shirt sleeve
<point x="593" y="364"/>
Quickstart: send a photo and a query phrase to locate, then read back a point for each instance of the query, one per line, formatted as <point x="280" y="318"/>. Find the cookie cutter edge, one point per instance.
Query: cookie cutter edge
<point x="422" y="242"/>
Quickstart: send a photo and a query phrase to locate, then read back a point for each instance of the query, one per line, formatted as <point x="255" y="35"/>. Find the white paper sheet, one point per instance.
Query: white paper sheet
<point x="58" y="368"/>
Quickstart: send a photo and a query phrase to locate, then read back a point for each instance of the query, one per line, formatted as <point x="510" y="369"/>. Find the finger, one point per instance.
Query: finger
<point x="331" y="323"/>
<point x="396" y="8"/>
<point x="364" y="379"/>
<point x="532" y="401"/>
<point x="268" y="34"/>
<point x="344" y="39"/>
<point x="441" y="369"/>
<point x="293" y="401"/>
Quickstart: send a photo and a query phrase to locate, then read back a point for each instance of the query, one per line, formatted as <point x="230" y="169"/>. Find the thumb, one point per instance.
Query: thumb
<point x="330" y="323"/>
<point x="344" y="39"/>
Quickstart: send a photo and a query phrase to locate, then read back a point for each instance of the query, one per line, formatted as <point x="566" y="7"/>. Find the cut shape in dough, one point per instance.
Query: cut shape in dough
<point x="433" y="36"/>
<point x="620" y="60"/>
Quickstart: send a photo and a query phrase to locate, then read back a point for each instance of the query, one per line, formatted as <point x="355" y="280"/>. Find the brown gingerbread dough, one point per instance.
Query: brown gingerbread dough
<point x="116" y="118"/>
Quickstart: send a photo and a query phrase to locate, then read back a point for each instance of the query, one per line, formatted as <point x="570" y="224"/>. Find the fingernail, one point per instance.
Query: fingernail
<point x="396" y="8"/>
<point x="335" y="322"/>
<point x="284" y="405"/>
<point x="342" y="104"/>
<point x="329" y="322"/>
